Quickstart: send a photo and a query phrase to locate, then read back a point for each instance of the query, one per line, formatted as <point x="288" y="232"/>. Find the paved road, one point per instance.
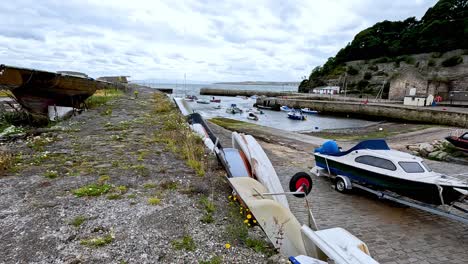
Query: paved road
<point x="393" y="234"/>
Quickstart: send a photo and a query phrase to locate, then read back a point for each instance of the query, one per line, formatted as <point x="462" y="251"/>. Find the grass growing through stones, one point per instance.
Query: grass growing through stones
<point x="6" y="161"/>
<point x="51" y="174"/>
<point x="209" y="210"/>
<point x="101" y="97"/>
<point x="260" y="246"/>
<point x="98" y="241"/>
<point x="77" y="221"/>
<point x="213" y="260"/>
<point x="92" y="190"/>
<point x="186" y="243"/>
<point x="154" y="201"/>
<point x="168" y="185"/>
<point x="177" y="136"/>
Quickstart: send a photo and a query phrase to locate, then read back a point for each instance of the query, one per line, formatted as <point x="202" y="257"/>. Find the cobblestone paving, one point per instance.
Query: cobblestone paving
<point x="393" y="234"/>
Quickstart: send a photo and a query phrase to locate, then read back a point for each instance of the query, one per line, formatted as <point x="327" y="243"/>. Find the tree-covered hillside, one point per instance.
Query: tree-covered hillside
<point x="444" y="27"/>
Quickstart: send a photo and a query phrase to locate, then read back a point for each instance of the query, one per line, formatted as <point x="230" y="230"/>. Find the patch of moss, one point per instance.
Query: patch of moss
<point x="97" y="241"/>
<point x="92" y="190"/>
<point x="78" y="221"/>
<point x="186" y="243"/>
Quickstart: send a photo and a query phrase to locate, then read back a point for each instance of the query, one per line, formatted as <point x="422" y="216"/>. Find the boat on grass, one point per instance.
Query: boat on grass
<point x="372" y="163"/>
<point x="460" y="142"/>
<point x="308" y="111"/>
<point x="296" y="115"/>
<point x="36" y="90"/>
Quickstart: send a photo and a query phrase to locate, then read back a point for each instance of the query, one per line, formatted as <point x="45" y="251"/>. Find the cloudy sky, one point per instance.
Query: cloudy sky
<point x="209" y="40"/>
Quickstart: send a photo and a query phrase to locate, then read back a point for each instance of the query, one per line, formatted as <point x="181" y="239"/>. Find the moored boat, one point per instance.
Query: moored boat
<point x="252" y="116"/>
<point x="286" y="108"/>
<point x="233" y="109"/>
<point x="191" y="98"/>
<point x="308" y="111"/>
<point x="373" y="163"/>
<point x="214" y="100"/>
<point x="202" y="101"/>
<point x="296" y="115"/>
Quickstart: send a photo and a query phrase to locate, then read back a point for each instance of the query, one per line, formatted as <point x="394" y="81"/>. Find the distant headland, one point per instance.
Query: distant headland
<point x="260" y="83"/>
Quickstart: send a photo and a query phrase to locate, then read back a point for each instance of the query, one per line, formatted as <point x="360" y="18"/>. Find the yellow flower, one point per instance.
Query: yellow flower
<point x="249" y="216"/>
<point x="235" y="198"/>
<point x="247" y="209"/>
<point x="246" y="221"/>
<point x="228" y="246"/>
<point x="248" y="224"/>
<point x="254" y="221"/>
<point x="230" y="197"/>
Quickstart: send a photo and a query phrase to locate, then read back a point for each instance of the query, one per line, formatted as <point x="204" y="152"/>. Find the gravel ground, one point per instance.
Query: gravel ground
<point x="42" y="221"/>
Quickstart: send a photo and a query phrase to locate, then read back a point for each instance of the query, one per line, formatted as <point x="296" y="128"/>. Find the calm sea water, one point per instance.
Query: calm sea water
<point x="269" y="118"/>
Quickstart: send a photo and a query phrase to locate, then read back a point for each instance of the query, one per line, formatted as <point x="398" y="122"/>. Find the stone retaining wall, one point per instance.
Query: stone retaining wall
<point x="397" y="112"/>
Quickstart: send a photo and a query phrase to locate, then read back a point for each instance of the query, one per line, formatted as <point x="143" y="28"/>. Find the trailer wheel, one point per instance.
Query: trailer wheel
<point x="340" y="185"/>
<point x="300" y="179"/>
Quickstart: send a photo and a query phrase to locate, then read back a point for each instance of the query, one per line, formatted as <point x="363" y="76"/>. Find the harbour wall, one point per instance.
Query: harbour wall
<point x="225" y="92"/>
<point x="432" y="115"/>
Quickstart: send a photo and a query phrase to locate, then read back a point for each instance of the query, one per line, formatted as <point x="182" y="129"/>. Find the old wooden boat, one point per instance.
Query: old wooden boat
<point x="35" y="90"/>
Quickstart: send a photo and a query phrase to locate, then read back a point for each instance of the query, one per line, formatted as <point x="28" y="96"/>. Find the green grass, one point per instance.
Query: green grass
<point x="101" y="97"/>
<point x="92" y="190"/>
<point x="78" y="221"/>
<point x="213" y="260"/>
<point x="177" y="136"/>
<point x="141" y="170"/>
<point x="207" y="204"/>
<point x="150" y="185"/>
<point x="260" y="246"/>
<point x="97" y="241"/>
<point x="169" y="185"/>
<point x="230" y="124"/>
<point x="154" y="201"/>
<point x="186" y="243"/>
<point x="51" y="174"/>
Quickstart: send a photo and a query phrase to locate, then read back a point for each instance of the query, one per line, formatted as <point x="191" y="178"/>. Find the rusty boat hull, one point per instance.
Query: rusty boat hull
<point x="35" y="90"/>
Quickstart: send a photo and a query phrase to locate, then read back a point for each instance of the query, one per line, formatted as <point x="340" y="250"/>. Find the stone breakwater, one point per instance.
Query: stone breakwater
<point x="232" y="92"/>
<point x="431" y="115"/>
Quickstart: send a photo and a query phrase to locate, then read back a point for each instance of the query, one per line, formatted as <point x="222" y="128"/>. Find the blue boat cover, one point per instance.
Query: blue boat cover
<point x="331" y="148"/>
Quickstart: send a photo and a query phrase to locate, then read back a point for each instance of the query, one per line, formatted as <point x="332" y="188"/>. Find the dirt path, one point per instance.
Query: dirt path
<point x="149" y="206"/>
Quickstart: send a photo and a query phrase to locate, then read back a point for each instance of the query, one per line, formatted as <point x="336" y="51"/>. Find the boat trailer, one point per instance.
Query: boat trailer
<point x="451" y="211"/>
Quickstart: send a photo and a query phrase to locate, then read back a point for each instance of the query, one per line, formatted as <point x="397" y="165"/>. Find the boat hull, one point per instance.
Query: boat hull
<point x="458" y="142"/>
<point x="424" y="192"/>
<point x="36" y="90"/>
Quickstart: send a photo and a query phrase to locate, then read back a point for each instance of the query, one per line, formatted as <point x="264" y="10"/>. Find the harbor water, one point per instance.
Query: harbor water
<point x="314" y="122"/>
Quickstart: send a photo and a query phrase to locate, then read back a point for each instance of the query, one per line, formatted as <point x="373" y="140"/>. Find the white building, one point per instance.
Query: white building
<point x="327" y="90"/>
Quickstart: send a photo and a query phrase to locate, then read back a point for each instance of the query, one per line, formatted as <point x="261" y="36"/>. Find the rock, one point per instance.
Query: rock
<point x="277" y="259"/>
<point x="69" y="163"/>
<point x="102" y="166"/>
<point x="442" y="155"/>
<point x="425" y="149"/>
<point x="434" y="155"/>
<point x="413" y="148"/>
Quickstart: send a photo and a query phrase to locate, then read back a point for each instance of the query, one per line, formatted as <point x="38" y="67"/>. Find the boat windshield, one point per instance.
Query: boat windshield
<point x="425" y="166"/>
<point x="411" y="167"/>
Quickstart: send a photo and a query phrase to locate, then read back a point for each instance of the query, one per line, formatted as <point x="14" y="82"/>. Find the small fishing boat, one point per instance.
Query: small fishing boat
<point x="285" y="108"/>
<point x="372" y="163"/>
<point x="255" y="111"/>
<point x="202" y="101"/>
<point x="460" y="142"/>
<point x="308" y="111"/>
<point x="252" y="116"/>
<point x="217" y="107"/>
<point x="264" y="107"/>
<point x="296" y="115"/>
<point x="233" y="109"/>
<point x="214" y="100"/>
<point x="190" y="98"/>
<point x="254" y="97"/>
